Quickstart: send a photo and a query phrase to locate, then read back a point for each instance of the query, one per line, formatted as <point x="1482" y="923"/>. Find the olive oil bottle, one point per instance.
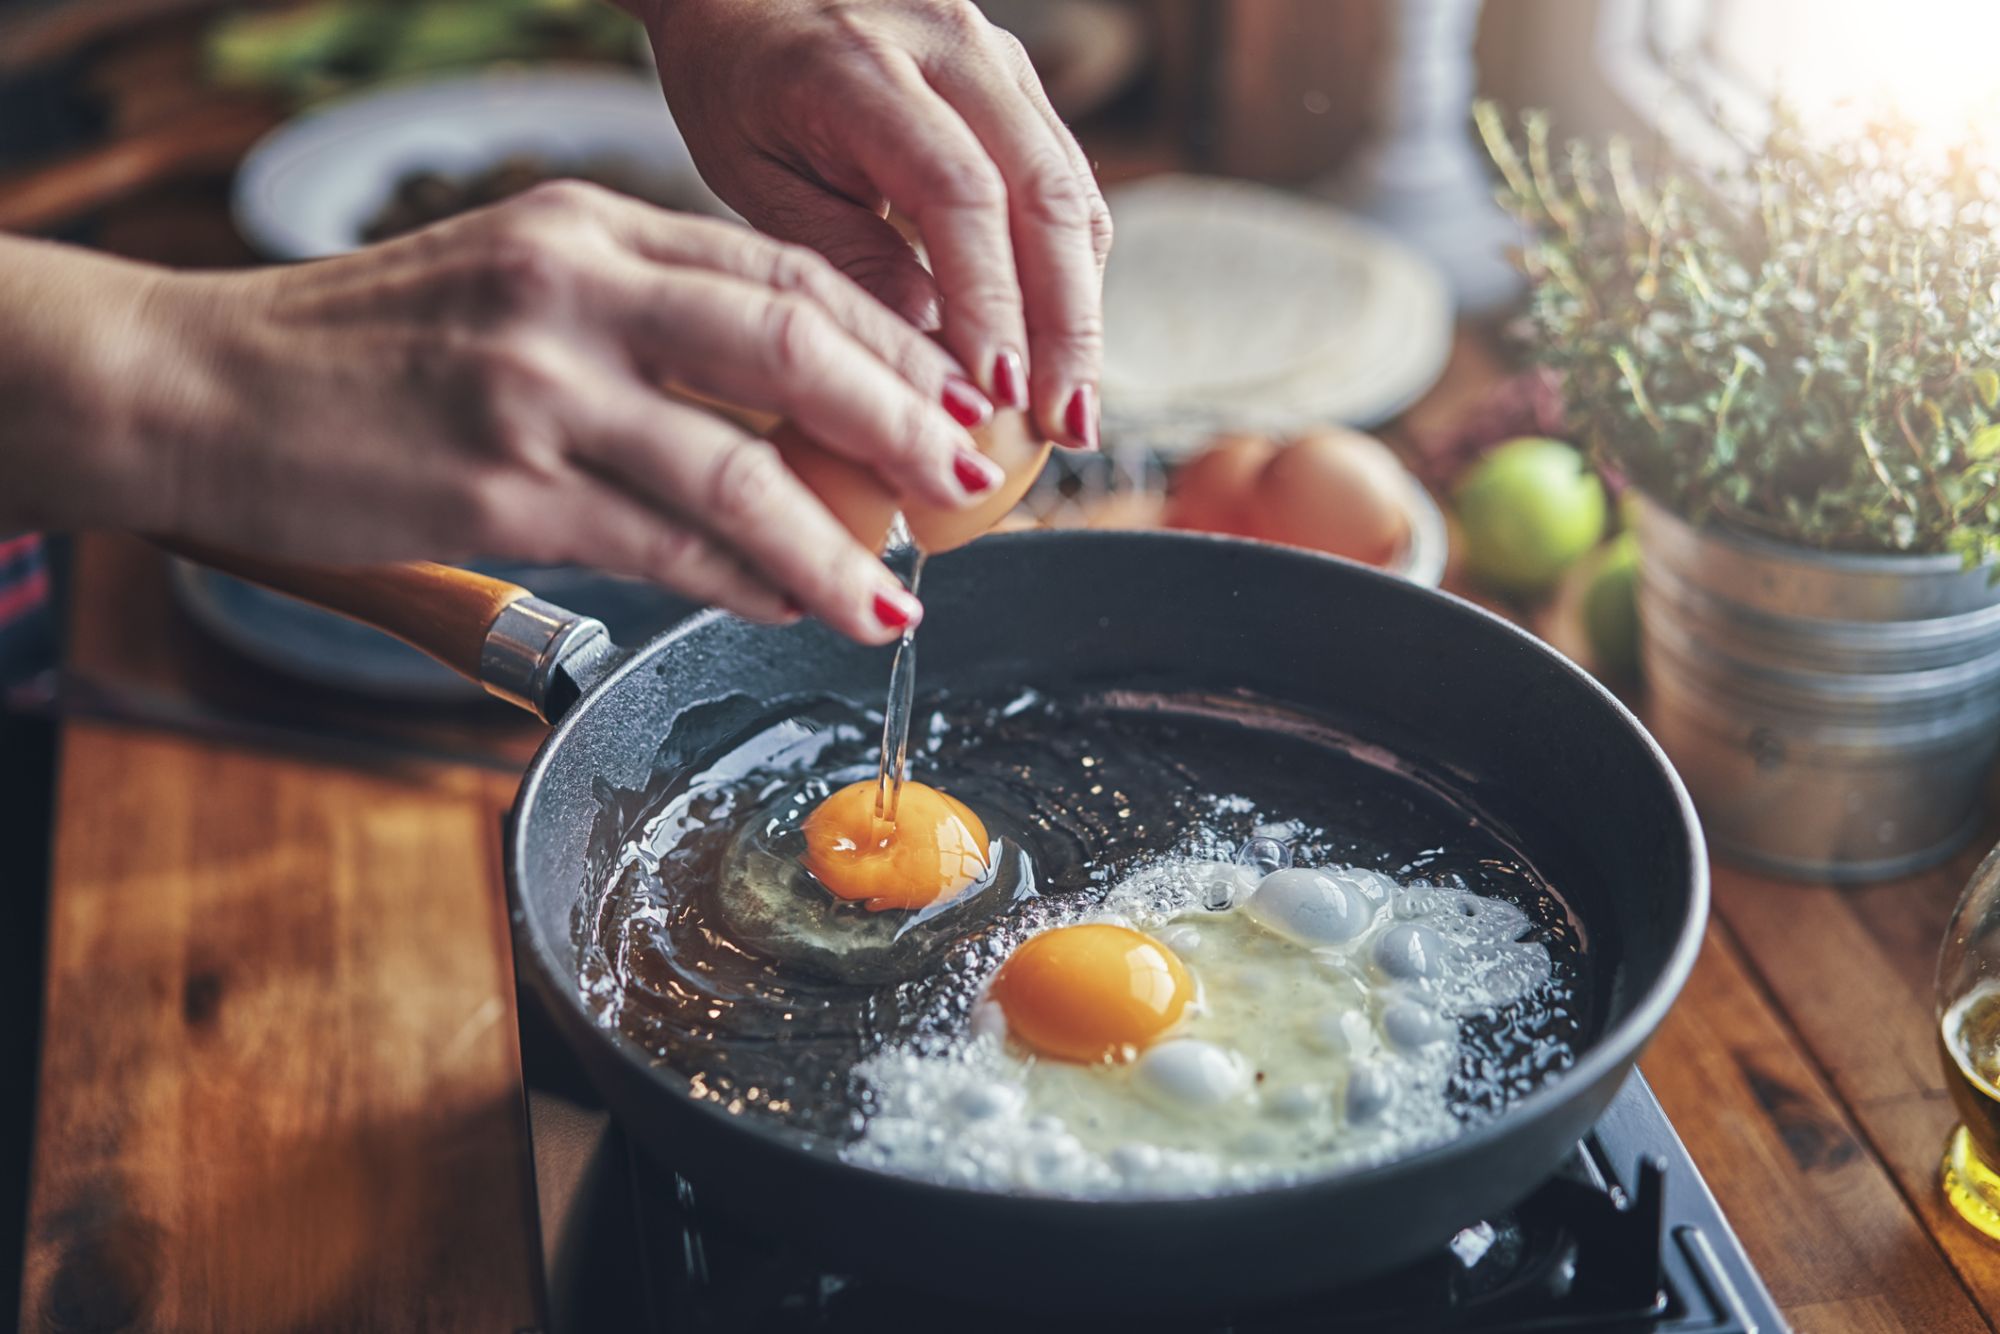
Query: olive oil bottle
<point x="1969" y="1042"/>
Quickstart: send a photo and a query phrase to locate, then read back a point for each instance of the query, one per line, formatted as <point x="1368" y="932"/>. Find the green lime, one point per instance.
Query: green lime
<point x="1611" y="606"/>
<point x="1528" y="509"/>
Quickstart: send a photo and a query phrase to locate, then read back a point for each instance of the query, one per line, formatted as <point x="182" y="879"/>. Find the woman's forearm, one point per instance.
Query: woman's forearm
<point x="83" y="368"/>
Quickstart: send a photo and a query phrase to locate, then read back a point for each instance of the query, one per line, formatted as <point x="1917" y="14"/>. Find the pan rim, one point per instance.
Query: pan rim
<point x="1616" y="1048"/>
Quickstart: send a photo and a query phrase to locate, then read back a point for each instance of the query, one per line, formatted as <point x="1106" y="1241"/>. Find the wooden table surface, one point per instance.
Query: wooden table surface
<point x="281" y="1086"/>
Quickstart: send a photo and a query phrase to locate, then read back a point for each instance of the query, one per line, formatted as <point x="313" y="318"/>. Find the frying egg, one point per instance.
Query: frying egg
<point x="1206" y="1028"/>
<point x="1093" y="992"/>
<point x="933" y="851"/>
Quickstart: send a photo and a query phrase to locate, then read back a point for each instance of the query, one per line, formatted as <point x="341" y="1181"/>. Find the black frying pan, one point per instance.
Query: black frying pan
<point x="1531" y="738"/>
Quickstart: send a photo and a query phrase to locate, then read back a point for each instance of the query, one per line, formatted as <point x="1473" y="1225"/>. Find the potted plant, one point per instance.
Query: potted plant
<point x="1796" y="363"/>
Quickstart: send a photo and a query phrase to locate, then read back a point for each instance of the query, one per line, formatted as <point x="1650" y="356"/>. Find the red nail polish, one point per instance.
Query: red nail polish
<point x="793" y="607"/>
<point x="1010" y="380"/>
<point x="962" y="399"/>
<point x="974" y="473"/>
<point x="1080" y="416"/>
<point x="896" y="611"/>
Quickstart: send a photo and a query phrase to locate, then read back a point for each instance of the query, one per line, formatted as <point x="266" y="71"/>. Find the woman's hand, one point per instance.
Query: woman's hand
<point x="489" y="387"/>
<point x="812" y="117"/>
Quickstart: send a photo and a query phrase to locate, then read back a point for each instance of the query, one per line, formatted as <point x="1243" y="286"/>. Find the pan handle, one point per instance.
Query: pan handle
<point x="530" y="653"/>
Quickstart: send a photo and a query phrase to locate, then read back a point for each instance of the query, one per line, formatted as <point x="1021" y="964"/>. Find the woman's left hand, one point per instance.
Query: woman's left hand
<point x="812" y="118"/>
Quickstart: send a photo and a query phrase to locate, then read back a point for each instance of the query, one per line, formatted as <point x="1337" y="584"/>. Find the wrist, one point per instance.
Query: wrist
<point x="87" y="366"/>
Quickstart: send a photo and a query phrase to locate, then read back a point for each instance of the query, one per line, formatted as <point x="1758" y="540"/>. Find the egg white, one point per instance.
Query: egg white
<point x="1323" y="1035"/>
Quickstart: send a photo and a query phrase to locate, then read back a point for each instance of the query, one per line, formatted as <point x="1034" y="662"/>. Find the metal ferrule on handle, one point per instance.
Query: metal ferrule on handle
<point x="539" y="656"/>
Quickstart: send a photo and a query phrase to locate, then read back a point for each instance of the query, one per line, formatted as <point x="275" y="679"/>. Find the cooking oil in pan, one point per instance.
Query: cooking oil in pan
<point x="774" y="1005"/>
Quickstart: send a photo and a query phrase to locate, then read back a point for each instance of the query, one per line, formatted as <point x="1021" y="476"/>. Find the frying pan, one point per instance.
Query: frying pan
<point x="1523" y="734"/>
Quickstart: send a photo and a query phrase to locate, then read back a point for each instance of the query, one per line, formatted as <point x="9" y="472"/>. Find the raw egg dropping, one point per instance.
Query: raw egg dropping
<point x="1092" y="992"/>
<point x="933" y="851"/>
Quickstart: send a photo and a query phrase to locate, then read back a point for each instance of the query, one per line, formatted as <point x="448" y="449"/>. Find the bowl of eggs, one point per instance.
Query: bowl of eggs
<point x="1329" y="489"/>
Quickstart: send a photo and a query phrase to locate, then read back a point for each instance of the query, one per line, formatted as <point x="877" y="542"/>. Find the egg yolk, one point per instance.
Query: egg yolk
<point x="933" y="850"/>
<point x="1095" y="992"/>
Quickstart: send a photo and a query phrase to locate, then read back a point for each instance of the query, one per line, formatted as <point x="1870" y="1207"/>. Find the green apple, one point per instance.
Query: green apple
<point x="1528" y="509"/>
<point x="1611" y="606"/>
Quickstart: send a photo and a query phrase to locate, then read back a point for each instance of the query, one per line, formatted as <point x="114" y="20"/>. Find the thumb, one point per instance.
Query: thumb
<point x="854" y="240"/>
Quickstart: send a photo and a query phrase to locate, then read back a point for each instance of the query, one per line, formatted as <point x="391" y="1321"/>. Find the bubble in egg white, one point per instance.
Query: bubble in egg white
<point x="1411" y="1024"/>
<point x="1224" y="886"/>
<point x="977" y="1102"/>
<point x="1264" y="855"/>
<point x="1309" y="907"/>
<point x="1181" y="939"/>
<point x="1409" y="952"/>
<point x="1190" y="1073"/>
<point x="1369" y="1091"/>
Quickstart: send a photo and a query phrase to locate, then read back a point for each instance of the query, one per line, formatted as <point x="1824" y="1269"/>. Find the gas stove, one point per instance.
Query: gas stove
<point x="1625" y="1237"/>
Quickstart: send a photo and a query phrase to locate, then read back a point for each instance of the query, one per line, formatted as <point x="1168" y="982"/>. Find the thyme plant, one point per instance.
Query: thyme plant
<point x="1807" y="346"/>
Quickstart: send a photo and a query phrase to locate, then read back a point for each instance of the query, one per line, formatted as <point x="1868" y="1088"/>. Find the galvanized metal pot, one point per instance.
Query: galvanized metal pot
<point x="1833" y="714"/>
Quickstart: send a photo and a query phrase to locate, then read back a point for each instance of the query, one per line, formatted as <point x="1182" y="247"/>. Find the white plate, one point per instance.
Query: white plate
<point x="1233" y="306"/>
<point x="308" y="188"/>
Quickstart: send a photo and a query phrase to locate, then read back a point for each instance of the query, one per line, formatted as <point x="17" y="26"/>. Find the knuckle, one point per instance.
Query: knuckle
<point x="1013" y="53"/>
<point x="911" y="437"/>
<point x="1055" y="197"/>
<point x="854" y="32"/>
<point x="964" y="181"/>
<point x="1079" y="338"/>
<point x="961" y="18"/>
<point x="1102" y="232"/>
<point x="744" y="481"/>
<point x="795" y="337"/>
<point x="795" y="269"/>
<point x="566" y="197"/>
<point x="517" y="369"/>
<point x="522" y="270"/>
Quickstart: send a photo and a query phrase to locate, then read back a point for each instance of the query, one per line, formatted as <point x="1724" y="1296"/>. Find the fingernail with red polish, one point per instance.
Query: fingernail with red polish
<point x="975" y="472"/>
<point x="897" y="610"/>
<point x="962" y="399"/>
<point x="794" y="608"/>
<point x="1080" y="417"/>
<point x="1010" y="380"/>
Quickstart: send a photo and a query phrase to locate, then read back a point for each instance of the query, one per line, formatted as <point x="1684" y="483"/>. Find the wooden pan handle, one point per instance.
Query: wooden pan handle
<point x="440" y="609"/>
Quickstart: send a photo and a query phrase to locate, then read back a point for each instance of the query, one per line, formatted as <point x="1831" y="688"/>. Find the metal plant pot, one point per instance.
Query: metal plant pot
<point x="1834" y="715"/>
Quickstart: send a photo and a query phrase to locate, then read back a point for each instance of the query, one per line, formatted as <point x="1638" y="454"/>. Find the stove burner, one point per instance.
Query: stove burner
<point x="1624" y="1237"/>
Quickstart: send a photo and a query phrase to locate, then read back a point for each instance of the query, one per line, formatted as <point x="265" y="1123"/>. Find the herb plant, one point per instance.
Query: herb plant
<point x="1806" y="346"/>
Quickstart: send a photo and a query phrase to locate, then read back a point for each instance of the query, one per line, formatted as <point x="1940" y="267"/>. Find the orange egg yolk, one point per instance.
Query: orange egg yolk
<point x="1095" y="992"/>
<point x="935" y="848"/>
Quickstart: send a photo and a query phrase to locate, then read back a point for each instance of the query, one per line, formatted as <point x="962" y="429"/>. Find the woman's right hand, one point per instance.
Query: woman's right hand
<point x="491" y="386"/>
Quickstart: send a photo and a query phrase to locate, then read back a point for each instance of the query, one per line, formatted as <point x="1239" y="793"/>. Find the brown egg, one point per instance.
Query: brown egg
<point x="1336" y="491"/>
<point x="866" y="507"/>
<point x="1211" y="491"/>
